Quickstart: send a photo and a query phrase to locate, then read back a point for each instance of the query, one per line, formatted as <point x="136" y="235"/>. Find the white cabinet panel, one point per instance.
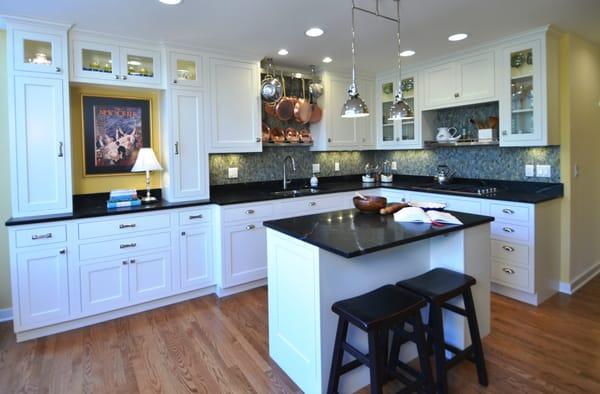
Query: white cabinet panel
<point x="41" y="236"/>
<point x="43" y="287"/>
<point x="186" y="70"/>
<point x="38" y="52"/>
<point x="123" y="225"/>
<point x="125" y="244"/>
<point x="104" y="285"/>
<point x="244" y="253"/>
<point x="140" y="65"/>
<point x="341" y="132"/>
<point x="195" y="258"/>
<point x="476" y="77"/>
<point x="150" y="276"/>
<point x="439" y="85"/>
<point x="95" y="60"/>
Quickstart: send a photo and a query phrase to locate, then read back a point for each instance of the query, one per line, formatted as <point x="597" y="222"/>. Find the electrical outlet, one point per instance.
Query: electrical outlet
<point x="543" y="171"/>
<point x="232" y="173"/>
<point x="394" y="165"/>
<point x="316" y="167"/>
<point x="529" y="170"/>
<point x="336" y="166"/>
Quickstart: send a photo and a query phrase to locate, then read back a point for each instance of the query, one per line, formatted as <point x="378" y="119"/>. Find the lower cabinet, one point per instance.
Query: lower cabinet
<point x="244" y="253"/>
<point x="43" y="286"/>
<point x="195" y="257"/>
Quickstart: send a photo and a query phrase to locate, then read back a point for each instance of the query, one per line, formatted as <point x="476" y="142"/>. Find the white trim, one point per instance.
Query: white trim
<point x="6" y="314"/>
<point x="580" y="280"/>
<point x="226" y="292"/>
<point x="565" y="288"/>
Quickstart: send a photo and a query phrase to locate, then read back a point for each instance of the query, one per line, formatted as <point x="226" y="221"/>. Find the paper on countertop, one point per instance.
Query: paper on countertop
<point x="418" y="215"/>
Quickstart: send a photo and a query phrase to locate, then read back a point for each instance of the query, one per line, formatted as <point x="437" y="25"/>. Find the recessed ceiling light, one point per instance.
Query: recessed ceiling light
<point x="458" y="37"/>
<point x="327" y="59"/>
<point x="314" y="32"/>
<point x="170" y="2"/>
<point x="407" y="53"/>
<point x="283" y="52"/>
<point x="298" y="75"/>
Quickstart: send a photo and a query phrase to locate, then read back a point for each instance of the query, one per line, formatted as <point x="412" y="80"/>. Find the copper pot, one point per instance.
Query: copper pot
<point x="291" y="135"/>
<point x="284" y="109"/>
<point x="269" y="108"/>
<point x="303" y="108"/>
<point x="266" y="132"/>
<point x="317" y="113"/>
<point x="277" y="135"/>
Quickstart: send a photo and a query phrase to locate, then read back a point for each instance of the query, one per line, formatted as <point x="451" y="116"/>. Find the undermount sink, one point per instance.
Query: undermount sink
<point x="295" y="192"/>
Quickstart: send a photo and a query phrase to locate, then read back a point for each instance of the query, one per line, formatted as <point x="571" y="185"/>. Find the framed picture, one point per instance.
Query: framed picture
<point x="114" y="130"/>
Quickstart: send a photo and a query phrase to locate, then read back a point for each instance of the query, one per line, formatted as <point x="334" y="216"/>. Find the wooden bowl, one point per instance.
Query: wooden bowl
<point x="372" y="204"/>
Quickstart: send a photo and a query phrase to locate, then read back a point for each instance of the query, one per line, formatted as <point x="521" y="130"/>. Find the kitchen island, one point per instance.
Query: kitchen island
<point x="316" y="260"/>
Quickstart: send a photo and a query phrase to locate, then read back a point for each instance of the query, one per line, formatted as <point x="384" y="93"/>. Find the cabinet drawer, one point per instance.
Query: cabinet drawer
<point x="510" y="213"/>
<point x="306" y="206"/>
<point x="123" y="225"/>
<point x="247" y="212"/>
<point x="510" y="231"/>
<point x="196" y="216"/>
<point x="510" y="275"/>
<point x="466" y="204"/>
<point x="511" y="251"/>
<point x="41" y="236"/>
<point x="125" y="244"/>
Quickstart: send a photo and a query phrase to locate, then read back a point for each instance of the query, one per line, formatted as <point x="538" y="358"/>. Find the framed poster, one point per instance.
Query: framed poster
<point x="114" y="130"/>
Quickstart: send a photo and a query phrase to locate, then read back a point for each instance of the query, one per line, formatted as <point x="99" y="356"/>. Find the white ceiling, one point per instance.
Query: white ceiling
<point x="261" y="27"/>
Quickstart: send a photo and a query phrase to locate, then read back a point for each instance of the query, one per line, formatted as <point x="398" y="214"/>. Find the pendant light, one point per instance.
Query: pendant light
<point x="354" y="107"/>
<point x="399" y="109"/>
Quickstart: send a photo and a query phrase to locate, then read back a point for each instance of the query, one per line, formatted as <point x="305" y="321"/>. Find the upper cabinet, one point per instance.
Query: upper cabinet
<point x="235" y="98"/>
<point x="399" y="134"/>
<point x="186" y="70"/>
<point x="464" y="81"/>
<point x="38" y="52"/>
<point x="107" y="63"/>
<point x="529" y="108"/>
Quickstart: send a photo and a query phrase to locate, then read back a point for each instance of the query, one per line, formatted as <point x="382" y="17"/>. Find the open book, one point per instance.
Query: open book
<point x="418" y="215"/>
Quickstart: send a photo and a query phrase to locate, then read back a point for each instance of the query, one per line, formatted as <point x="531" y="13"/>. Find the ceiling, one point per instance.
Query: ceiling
<point x="261" y="27"/>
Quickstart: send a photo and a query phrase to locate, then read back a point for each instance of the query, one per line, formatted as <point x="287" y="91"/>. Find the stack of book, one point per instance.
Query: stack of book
<point x="123" y="198"/>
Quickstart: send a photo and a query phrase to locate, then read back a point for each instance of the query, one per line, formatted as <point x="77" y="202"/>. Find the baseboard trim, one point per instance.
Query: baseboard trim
<point x="581" y="280"/>
<point x="6" y="315"/>
<point x="226" y="292"/>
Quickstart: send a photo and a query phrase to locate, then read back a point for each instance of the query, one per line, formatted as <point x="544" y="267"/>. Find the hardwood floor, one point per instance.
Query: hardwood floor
<point x="209" y="345"/>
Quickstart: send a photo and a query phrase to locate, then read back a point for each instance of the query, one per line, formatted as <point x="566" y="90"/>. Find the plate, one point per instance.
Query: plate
<point x="427" y="205"/>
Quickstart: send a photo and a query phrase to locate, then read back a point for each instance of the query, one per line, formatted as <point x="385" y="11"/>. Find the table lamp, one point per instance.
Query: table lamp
<point x="146" y="161"/>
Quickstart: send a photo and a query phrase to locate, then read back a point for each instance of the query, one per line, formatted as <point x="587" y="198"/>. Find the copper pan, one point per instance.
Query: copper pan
<point x="277" y="135"/>
<point x="266" y="132"/>
<point x="303" y="108"/>
<point x="284" y="109"/>
<point x="317" y="113"/>
<point x="269" y="108"/>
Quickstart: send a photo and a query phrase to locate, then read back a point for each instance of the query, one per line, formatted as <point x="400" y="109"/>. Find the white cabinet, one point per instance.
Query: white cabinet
<point x="186" y="70"/>
<point x="38" y="51"/>
<point x="468" y="80"/>
<point x="104" y="285"/>
<point x="186" y="176"/>
<point x="150" y="276"/>
<point x="195" y="257"/>
<point x="235" y="97"/>
<point x="42" y="287"/>
<point x="121" y="65"/>
<point x="244" y="253"/>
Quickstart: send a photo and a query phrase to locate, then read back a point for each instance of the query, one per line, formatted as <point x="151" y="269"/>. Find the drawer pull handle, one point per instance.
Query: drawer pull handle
<point x="508" y="248"/>
<point x="177" y="148"/>
<point x="250" y="227"/>
<point x="508" y="271"/>
<point x="60" y="149"/>
<point x="312" y="204"/>
<point x="122" y="226"/>
<point x="508" y="229"/>
<point x="249" y="211"/>
<point x="41" y="236"/>
<point x="125" y="246"/>
<point x="508" y="211"/>
<point x="199" y="216"/>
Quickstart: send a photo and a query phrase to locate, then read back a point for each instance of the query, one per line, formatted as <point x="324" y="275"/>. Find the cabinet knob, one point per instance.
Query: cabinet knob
<point x="124" y="262"/>
<point x="132" y="261"/>
<point x="250" y="227"/>
<point x="249" y="211"/>
<point x="456" y="95"/>
<point x="58" y="69"/>
<point x="124" y="77"/>
<point x="183" y="233"/>
<point x="117" y="77"/>
<point x="62" y="251"/>
<point x="328" y="139"/>
<point x="508" y="271"/>
<point x="174" y="81"/>
<point x="504" y="132"/>
<point x="312" y="203"/>
<point x="397" y="138"/>
<point x="258" y="139"/>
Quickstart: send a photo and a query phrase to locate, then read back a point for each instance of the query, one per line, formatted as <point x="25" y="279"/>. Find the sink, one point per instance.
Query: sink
<point x="295" y="192"/>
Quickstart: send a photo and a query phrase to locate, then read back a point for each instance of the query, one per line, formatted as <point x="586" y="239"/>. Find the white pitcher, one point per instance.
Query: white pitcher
<point x="446" y="134"/>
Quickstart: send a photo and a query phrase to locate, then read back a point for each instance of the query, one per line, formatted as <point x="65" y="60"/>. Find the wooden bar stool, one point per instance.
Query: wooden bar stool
<point x="439" y="286"/>
<point x="376" y="313"/>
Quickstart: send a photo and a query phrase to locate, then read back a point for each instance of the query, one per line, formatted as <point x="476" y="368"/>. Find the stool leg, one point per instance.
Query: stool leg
<point x="394" y="349"/>
<point x="436" y="327"/>
<point x="419" y="338"/>
<point x="338" y="356"/>
<point x="475" y="338"/>
<point x="376" y="363"/>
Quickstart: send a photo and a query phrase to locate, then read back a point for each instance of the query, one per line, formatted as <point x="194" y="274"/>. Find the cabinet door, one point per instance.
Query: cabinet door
<point x="38" y="52"/>
<point x="186" y="70"/>
<point x="43" y="287"/>
<point x="244" y="253"/>
<point x="95" y="60"/>
<point x="150" y="276"/>
<point x="195" y="251"/>
<point x="439" y="84"/>
<point x="386" y="134"/>
<point x="139" y="66"/>
<point x="365" y="127"/>
<point x="341" y="132"/>
<point x="399" y="134"/>
<point x="42" y="184"/>
<point x="476" y="77"/>
<point x="190" y="164"/>
<point x="235" y="106"/>
<point x="104" y="285"/>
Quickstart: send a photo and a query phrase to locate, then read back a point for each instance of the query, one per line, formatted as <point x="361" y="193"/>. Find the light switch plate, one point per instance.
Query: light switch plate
<point x="232" y="173"/>
<point x="529" y="170"/>
<point x="394" y="165"/>
<point x="336" y="166"/>
<point x="543" y="171"/>
<point x="316" y="167"/>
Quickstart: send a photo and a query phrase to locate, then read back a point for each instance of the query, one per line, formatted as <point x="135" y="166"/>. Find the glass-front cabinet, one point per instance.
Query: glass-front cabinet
<point x="97" y="61"/>
<point x="185" y="70"/>
<point x="38" y="52"/>
<point x="399" y="134"/>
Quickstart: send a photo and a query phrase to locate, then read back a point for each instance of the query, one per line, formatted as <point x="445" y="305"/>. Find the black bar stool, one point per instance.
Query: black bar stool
<point x="439" y="286"/>
<point x="376" y="313"/>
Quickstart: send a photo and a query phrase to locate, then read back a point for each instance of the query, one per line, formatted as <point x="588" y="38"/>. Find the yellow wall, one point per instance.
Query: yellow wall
<point x="4" y="179"/>
<point x="96" y="184"/>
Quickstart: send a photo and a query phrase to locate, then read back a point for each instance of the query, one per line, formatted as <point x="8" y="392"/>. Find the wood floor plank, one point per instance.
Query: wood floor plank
<point x="211" y="345"/>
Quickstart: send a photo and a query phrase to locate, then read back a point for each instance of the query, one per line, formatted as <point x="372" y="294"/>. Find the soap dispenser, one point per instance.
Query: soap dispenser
<point x="314" y="181"/>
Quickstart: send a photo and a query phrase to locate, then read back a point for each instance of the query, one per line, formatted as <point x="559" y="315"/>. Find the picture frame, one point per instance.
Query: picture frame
<point x="114" y="130"/>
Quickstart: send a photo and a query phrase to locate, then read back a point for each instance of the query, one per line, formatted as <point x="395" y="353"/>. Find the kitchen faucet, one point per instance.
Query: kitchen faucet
<point x="285" y="180"/>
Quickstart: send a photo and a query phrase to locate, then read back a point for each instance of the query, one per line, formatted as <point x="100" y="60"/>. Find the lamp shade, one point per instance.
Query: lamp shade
<point x="146" y="161"/>
<point x="400" y="110"/>
<point x="354" y="107"/>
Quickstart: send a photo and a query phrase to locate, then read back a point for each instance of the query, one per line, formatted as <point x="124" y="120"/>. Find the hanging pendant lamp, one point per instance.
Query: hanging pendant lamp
<point x="354" y="107"/>
<point x="400" y="109"/>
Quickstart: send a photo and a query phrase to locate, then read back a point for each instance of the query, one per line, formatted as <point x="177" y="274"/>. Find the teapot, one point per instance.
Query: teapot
<point x="444" y="176"/>
<point x="445" y="134"/>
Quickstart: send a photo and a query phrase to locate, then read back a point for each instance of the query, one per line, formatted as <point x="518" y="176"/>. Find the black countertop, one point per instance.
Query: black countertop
<point x="350" y="233"/>
<point x="94" y="205"/>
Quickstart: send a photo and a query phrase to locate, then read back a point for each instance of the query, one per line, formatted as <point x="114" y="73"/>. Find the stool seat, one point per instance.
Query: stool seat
<point x="378" y="307"/>
<point x="439" y="284"/>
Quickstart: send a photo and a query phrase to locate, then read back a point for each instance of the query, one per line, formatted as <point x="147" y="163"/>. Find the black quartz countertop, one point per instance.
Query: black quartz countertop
<point x="350" y="233"/>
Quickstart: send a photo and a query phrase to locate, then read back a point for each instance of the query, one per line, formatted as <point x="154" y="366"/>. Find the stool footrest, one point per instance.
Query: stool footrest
<point x="357" y="354"/>
<point x="458" y="357"/>
<point x="455" y="309"/>
<point x="350" y="366"/>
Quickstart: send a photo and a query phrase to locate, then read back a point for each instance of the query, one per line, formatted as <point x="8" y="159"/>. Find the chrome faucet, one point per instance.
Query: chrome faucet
<point x="285" y="180"/>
